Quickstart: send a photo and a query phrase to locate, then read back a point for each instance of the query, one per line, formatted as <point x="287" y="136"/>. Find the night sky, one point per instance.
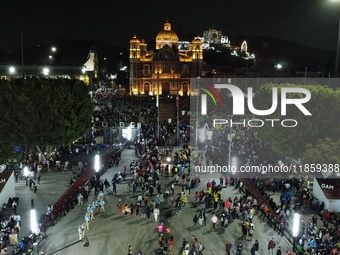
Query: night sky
<point x="310" y="22"/>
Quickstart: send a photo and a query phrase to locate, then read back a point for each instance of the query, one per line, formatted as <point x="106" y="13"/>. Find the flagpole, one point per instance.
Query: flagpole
<point x="177" y="109"/>
<point x="196" y="129"/>
<point x="177" y="126"/>
<point x="157" y="102"/>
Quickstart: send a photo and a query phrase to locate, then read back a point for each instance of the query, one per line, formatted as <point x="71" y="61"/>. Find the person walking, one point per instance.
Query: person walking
<point x="87" y="221"/>
<point x="200" y="220"/>
<point x="80" y="232"/>
<point x="102" y="206"/>
<point x="205" y="216"/>
<point x="228" y="247"/>
<point x="239" y="249"/>
<point x="156" y="213"/>
<point x="201" y="248"/>
<point x="173" y="189"/>
<point x="137" y="207"/>
<point x="143" y="210"/>
<point x="195" y="220"/>
<point x="119" y="205"/>
<point x="83" y="228"/>
<point x="278" y="251"/>
<point x="253" y="250"/>
<point x="132" y="207"/>
<point x="148" y="211"/>
<point x="185" y="245"/>
<point x="171" y="242"/>
<point x="214" y="220"/>
<point x="160" y="228"/>
<point x="114" y="188"/>
<point x="271" y="246"/>
<point x="126" y="209"/>
<point x="257" y="246"/>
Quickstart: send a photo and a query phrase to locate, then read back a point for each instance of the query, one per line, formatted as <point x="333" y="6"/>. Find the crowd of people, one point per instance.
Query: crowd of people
<point x="163" y="175"/>
<point x="11" y="225"/>
<point x="246" y="146"/>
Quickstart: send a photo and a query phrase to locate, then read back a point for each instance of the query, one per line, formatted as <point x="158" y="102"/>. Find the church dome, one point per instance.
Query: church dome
<point x="166" y="37"/>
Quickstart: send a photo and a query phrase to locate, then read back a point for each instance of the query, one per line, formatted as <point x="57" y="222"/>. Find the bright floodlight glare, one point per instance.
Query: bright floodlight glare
<point x="53" y="49"/>
<point x="278" y="66"/>
<point x="168" y="159"/>
<point x="34" y="222"/>
<point x="26" y="171"/>
<point x="96" y="163"/>
<point x="46" y="71"/>
<point x="83" y="70"/>
<point x="129" y="133"/>
<point x="11" y="70"/>
<point x="296" y="224"/>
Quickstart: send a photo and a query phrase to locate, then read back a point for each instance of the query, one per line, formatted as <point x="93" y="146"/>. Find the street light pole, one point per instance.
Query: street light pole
<point x="337" y="52"/>
<point x="230" y="141"/>
<point x="196" y="128"/>
<point x="158" y="105"/>
<point x="177" y="117"/>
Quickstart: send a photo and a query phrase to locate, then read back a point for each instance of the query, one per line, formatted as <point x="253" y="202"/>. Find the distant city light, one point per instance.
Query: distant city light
<point x="279" y="66"/>
<point x="11" y="70"/>
<point x="124" y="68"/>
<point x="46" y="71"/>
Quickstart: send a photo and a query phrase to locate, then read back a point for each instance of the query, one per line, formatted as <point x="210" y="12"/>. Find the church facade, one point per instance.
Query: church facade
<point x="165" y="70"/>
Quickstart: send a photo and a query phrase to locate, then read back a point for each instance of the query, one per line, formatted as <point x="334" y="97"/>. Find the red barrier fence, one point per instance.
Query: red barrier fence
<point x="73" y="191"/>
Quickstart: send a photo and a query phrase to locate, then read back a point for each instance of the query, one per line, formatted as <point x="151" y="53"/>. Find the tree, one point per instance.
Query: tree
<point x="324" y="106"/>
<point x="42" y="112"/>
<point x="324" y="152"/>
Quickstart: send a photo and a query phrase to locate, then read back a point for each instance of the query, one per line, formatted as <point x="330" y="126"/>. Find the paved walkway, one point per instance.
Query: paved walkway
<point x="52" y="186"/>
<point x="112" y="232"/>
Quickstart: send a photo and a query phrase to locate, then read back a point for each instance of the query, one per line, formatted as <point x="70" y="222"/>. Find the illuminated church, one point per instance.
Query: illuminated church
<point x="166" y="69"/>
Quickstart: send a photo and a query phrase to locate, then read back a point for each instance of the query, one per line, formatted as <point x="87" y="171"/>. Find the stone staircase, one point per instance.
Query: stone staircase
<point x="167" y="111"/>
